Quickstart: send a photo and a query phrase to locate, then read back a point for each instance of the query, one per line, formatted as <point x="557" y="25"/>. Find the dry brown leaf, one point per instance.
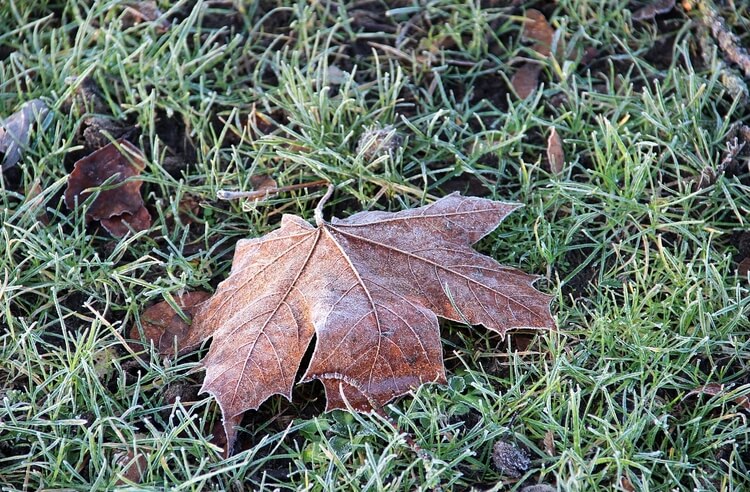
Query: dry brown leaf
<point x="658" y="7"/>
<point x="35" y="201"/>
<point x="15" y="130"/>
<point x="134" y="464"/>
<point x="96" y="168"/>
<point x="526" y="79"/>
<point x="369" y="288"/>
<point x="163" y="326"/>
<point x="744" y="267"/>
<point x="715" y="389"/>
<point x="549" y="443"/>
<point x="146" y="11"/>
<point x="537" y="29"/>
<point x="627" y="485"/>
<point x="116" y="206"/>
<point x="555" y="152"/>
<point x="119" y="225"/>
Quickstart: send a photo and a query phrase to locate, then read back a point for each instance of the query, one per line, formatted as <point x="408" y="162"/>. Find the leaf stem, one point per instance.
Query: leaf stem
<point x="319" y="209"/>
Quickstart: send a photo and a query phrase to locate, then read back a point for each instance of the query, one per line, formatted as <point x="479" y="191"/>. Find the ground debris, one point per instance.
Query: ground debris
<point x="713" y="33"/>
<point x="15" y="131"/>
<point x="728" y="42"/>
<point x="509" y="459"/>
<point x="555" y="152"/>
<point x="658" y="7"/>
<point x="147" y="11"/>
<point x="736" y="143"/>
<point x="164" y="326"/>
<point x="121" y="202"/>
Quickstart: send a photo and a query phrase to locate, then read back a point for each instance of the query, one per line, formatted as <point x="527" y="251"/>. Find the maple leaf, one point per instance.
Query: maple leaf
<point x="370" y="289"/>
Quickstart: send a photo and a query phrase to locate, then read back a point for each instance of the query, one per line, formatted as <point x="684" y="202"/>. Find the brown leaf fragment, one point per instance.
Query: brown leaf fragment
<point x="35" y="201"/>
<point x="657" y="7"/>
<point x="120" y="225"/>
<point x="526" y="79"/>
<point x="370" y="287"/>
<point x="714" y="389"/>
<point x="164" y="326"/>
<point x="744" y="267"/>
<point x="16" y="129"/>
<point x="101" y="130"/>
<point x="146" y="11"/>
<point x="555" y="152"/>
<point x="537" y="30"/>
<point x="549" y="443"/>
<point x="123" y="197"/>
<point x="627" y="485"/>
<point x="133" y="465"/>
<point x="263" y="182"/>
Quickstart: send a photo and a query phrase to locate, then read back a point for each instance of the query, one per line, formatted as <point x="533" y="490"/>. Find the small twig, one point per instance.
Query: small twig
<point x="257" y="194"/>
<point x="319" y="209"/>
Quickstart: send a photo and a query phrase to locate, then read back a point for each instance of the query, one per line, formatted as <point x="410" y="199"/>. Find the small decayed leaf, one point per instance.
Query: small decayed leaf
<point x="526" y="79"/>
<point x="120" y="203"/>
<point x="164" y="326"/>
<point x="555" y="152"/>
<point x="14" y="131"/>
<point x="714" y="389"/>
<point x="146" y="11"/>
<point x="537" y="29"/>
<point x="658" y="7"/>
<point x="370" y="289"/>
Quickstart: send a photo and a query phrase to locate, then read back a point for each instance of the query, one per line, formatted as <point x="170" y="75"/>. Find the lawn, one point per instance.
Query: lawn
<point x="640" y="235"/>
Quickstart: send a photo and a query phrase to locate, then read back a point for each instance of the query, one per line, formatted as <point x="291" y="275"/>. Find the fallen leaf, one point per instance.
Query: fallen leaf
<point x="627" y="485"/>
<point x="164" y="326"/>
<point x="15" y="130"/>
<point x="658" y="7"/>
<point x="537" y="29"/>
<point x="526" y="79"/>
<point x="263" y="182"/>
<point x="369" y="288"/>
<point x="101" y="130"/>
<point x="555" y="152"/>
<point x="133" y="465"/>
<point x="116" y="205"/>
<point x="120" y="225"/>
<point x="715" y="389"/>
<point x="549" y="443"/>
<point x="35" y="201"/>
<point x="744" y="267"/>
<point x="147" y="11"/>
<point x="376" y="141"/>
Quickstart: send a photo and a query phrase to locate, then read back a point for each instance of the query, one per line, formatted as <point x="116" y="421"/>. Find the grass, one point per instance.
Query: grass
<point x="642" y="263"/>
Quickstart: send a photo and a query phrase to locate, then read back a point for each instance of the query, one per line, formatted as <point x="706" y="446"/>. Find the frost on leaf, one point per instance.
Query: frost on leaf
<point x="370" y="288"/>
<point x="16" y="129"/>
